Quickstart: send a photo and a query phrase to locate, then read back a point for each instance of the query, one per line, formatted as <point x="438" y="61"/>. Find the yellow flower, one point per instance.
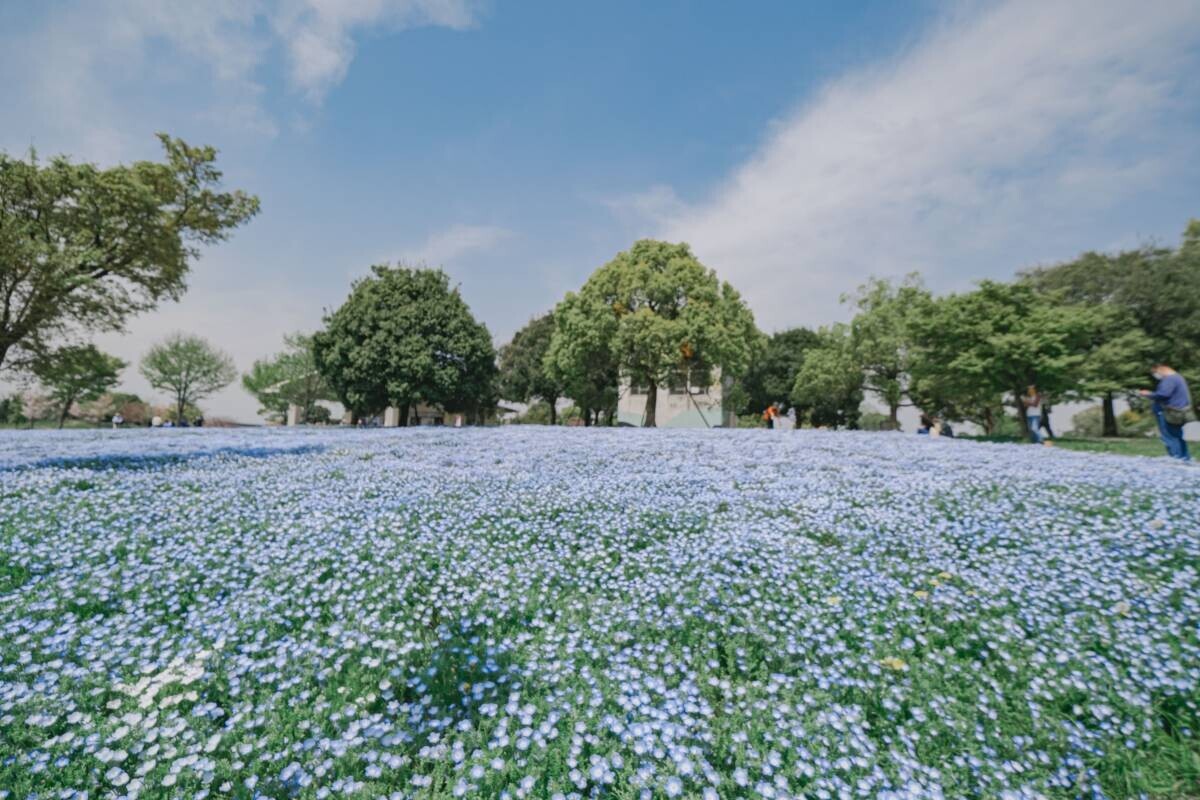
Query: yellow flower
<point x="893" y="663"/>
<point x="1123" y="608"/>
<point x="833" y="600"/>
<point x="920" y="594"/>
<point x="945" y="575"/>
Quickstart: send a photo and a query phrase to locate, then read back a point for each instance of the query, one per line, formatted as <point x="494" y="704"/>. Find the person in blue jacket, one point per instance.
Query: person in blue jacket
<point x="1172" y="405"/>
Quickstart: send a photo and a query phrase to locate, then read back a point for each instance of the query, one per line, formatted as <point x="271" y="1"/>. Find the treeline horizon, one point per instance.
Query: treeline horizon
<point x="84" y="249"/>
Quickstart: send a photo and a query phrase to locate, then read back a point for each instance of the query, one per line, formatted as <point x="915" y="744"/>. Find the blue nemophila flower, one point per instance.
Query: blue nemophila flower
<point x="460" y="613"/>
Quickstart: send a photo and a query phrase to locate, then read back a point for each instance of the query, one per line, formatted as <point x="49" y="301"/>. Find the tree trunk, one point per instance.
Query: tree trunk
<point x="405" y="410"/>
<point x="66" y="412"/>
<point x="894" y="416"/>
<point x="651" y="405"/>
<point x="553" y="411"/>
<point x="989" y="422"/>
<point x="587" y="417"/>
<point x="179" y="411"/>
<point x="1110" y="416"/>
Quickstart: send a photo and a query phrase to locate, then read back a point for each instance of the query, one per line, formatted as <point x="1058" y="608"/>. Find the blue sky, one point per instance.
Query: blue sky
<point x="799" y="147"/>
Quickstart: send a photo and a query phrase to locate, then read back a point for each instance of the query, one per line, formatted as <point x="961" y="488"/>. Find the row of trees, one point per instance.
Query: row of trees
<point x="406" y="337"/>
<point x="1084" y="329"/>
<point x="188" y="368"/>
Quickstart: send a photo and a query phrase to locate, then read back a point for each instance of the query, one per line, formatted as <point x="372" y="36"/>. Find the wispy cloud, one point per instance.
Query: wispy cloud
<point x="447" y="246"/>
<point x="994" y="140"/>
<point x="319" y="34"/>
<point x="69" y="77"/>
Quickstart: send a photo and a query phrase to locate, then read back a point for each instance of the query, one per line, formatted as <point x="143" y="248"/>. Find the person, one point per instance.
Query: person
<point x="1032" y="401"/>
<point x="769" y="415"/>
<point x="1172" y="405"/>
<point x="117" y="420"/>
<point x="926" y="425"/>
<point x="1046" y="419"/>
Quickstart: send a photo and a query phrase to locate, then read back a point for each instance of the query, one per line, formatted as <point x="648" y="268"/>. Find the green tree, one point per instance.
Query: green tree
<point x="581" y="357"/>
<point x="828" y="389"/>
<point x="12" y="409"/>
<point x="85" y="248"/>
<point x="655" y="309"/>
<point x="405" y="336"/>
<point x="881" y="337"/>
<point x="289" y="378"/>
<point x="523" y="371"/>
<point x="76" y="373"/>
<point x="975" y="348"/>
<point x="189" y="368"/>
<point x="1151" y="290"/>
<point x="773" y="370"/>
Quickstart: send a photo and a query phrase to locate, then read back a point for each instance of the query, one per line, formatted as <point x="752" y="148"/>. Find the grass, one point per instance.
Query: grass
<point x="1118" y="446"/>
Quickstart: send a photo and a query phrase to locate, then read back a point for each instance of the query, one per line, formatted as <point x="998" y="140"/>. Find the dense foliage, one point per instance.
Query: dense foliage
<point x="524" y="375"/>
<point x="651" y="311"/>
<point x="85" y="248"/>
<point x="555" y="613"/>
<point x="403" y="337"/>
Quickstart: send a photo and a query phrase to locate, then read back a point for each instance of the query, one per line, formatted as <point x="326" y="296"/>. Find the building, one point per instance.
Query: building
<point x="690" y="399"/>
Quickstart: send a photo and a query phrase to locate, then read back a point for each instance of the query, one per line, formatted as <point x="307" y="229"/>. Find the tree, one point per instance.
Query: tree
<point x="12" y="409"/>
<point x="523" y="371"/>
<point x="772" y="372"/>
<point x="581" y="358"/>
<point x="976" y="347"/>
<point x="405" y="336"/>
<point x="1151" y="290"/>
<point x="881" y="337"/>
<point x="288" y="378"/>
<point x="76" y="374"/>
<point x="86" y="248"/>
<point x="656" y="310"/>
<point x="829" y="385"/>
<point x="189" y="368"/>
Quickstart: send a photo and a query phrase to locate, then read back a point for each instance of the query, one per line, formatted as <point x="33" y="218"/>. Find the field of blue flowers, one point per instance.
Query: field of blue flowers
<point x="570" y="613"/>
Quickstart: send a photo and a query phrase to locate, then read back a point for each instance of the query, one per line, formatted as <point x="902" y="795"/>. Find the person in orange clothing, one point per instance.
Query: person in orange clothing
<point x="770" y="414"/>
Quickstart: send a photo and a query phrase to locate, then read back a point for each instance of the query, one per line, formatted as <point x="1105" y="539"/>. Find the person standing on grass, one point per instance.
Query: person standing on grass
<point x="1032" y="402"/>
<point x="1172" y="405"/>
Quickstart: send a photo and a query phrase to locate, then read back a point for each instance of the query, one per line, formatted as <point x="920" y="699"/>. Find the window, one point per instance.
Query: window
<point x="639" y="388"/>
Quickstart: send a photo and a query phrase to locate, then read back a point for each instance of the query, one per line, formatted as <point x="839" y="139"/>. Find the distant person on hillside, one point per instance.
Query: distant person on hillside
<point x="770" y="414"/>
<point x="1032" y="402"/>
<point x="926" y="425"/>
<point x="117" y="420"/>
<point x="1172" y="405"/>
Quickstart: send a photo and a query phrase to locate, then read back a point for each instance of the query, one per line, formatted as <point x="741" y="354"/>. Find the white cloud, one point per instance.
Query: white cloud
<point x="319" y="34"/>
<point x="992" y="141"/>
<point x="446" y="246"/>
<point x="68" y="78"/>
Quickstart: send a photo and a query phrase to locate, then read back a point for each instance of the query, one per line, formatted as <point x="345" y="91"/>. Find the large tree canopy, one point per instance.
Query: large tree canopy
<point x="523" y="371"/>
<point x="655" y="309"/>
<point x="978" y="347"/>
<point x="405" y="336"/>
<point x="85" y="248"/>
<point x="76" y="373"/>
<point x="189" y="368"/>
<point x="1149" y="299"/>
